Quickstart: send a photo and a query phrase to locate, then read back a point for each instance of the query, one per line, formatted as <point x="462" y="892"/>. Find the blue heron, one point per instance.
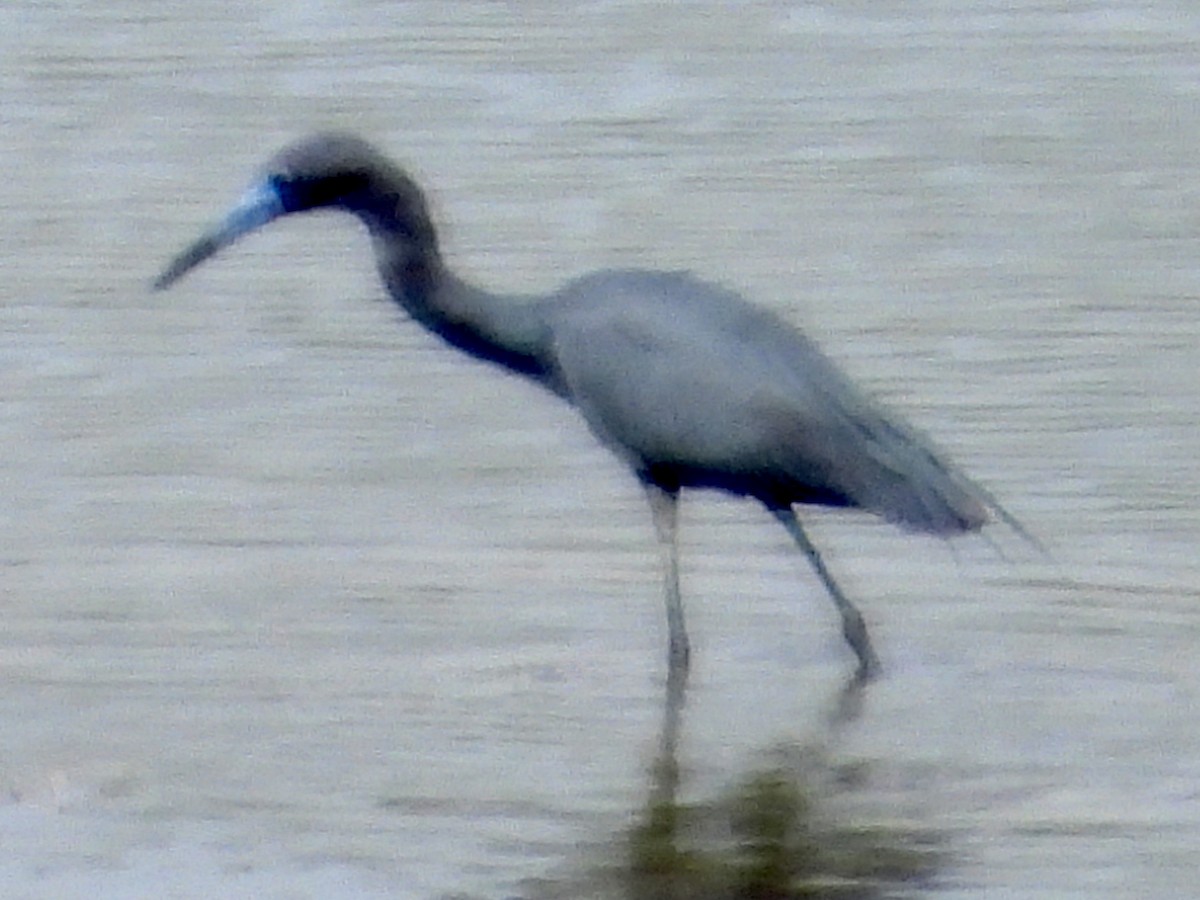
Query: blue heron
<point x="687" y="382"/>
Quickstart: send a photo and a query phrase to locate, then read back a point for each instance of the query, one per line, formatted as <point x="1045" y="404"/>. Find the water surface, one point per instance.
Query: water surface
<point x="298" y="603"/>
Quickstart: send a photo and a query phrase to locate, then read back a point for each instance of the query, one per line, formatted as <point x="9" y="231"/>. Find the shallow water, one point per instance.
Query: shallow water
<point x="299" y="604"/>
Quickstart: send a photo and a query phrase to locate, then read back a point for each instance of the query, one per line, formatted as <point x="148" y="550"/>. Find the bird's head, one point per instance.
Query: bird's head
<point x="327" y="170"/>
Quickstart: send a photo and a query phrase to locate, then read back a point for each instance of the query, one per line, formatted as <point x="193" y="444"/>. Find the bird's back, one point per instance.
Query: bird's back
<point x="689" y="382"/>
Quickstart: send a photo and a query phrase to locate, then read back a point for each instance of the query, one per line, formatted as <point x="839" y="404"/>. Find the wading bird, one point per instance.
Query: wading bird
<point x="685" y="381"/>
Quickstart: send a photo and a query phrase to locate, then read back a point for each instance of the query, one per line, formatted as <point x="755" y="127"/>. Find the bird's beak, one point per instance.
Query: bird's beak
<point x="260" y="205"/>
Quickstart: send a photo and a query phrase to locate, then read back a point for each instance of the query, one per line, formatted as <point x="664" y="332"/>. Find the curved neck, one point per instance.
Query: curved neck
<point x="504" y="330"/>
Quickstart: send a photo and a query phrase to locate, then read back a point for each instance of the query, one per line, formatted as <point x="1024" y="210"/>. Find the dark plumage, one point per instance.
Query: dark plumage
<point x="687" y="382"/>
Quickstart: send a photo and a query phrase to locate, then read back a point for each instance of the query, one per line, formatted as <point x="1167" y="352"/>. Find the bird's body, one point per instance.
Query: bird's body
<point x="694" y="387"/>
<point x="687" y="382"/>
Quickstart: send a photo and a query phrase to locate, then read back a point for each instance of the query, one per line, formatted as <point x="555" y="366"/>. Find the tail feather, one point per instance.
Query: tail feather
<point x="908" y="483"/>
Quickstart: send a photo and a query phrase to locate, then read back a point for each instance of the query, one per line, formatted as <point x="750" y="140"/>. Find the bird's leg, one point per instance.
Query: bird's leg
<point x="664" y="506"/>
<point x="853" y="626"/>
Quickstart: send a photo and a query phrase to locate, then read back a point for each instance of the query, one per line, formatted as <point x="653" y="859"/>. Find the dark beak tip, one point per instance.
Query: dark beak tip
<point x="187" y="260"/>
<point x="165" y="279"/>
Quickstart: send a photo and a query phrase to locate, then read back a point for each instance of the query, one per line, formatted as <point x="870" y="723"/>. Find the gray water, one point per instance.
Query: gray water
<point x="298" y="603"/>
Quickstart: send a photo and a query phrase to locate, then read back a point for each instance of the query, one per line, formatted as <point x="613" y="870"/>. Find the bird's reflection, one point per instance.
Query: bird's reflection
<point x="764" y="837"/>
<point x="847" y="703"/>
<point x="844" y="708"/>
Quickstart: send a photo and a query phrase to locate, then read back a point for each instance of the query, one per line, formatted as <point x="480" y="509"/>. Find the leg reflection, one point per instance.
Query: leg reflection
<point x="666" y="768"/>
<point x="848" y="702"/>
<point x="657" y="864"/>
